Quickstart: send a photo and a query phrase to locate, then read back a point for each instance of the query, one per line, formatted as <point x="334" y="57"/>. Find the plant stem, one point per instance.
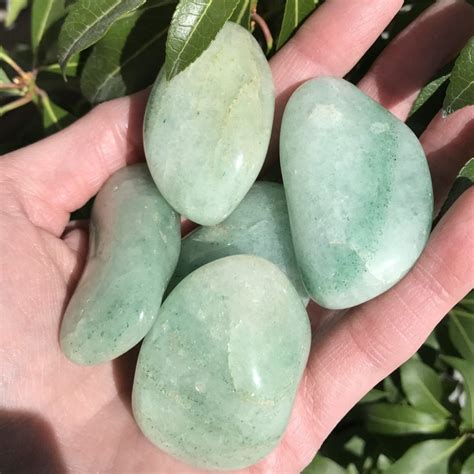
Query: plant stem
<point x="15" y="104"/>
<point x="265" y="29"/>
<point x="7" y="59"/>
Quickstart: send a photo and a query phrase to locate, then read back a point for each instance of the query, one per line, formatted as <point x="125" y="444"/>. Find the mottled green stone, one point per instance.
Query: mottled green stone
<point x="359" y="192"/>
<point x="206" y="131"/>
<point x="217" y="375"/>
<point x="133" y="250"/>
<point x="258" y="226"/>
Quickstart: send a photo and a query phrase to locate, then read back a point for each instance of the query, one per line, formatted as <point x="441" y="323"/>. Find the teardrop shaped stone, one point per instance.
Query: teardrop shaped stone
<point x="258" y="226"/>
<point x="218" y="373"/>
<point x="359" y="192"/>
<point x="133" y="250"/>
<point x="206" y="131"/>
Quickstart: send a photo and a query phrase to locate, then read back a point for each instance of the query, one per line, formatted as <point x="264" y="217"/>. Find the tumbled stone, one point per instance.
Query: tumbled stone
<point x="258" y="226"/>
<point x="217" y="375"/>
<point x="358" y="189"/>
<point x="133" y="250"/>
<point x="206" y="131"/>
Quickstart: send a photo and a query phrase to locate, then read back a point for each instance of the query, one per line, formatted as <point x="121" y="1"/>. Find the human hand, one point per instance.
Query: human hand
<point x="58" y="416"/>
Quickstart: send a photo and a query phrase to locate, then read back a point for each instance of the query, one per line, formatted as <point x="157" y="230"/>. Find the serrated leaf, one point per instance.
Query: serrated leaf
<point x="463" y="182"/>
<point x="461" y="85"/>
<point x="385" y="418"/>
<point x="14" y="8"/>
<point x="129" y="56"/>
<point x="466" y="369"/>
<point x="461" y="327"/>
<point x="87" y="22"/>
<point x="468" y="466"/>
<point x="243" y="13"/>
<point x="43" y="14"/>
<point x="427" y="92"/>
<point x="428" y="457"/>
<point x="323" y="465"/>
<point x="195" y="24"/>
<point x="422" y="387"/>
<point x="295" y="13"/>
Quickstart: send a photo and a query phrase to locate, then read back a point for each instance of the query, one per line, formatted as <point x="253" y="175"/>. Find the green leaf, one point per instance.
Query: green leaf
<point x="43" y="14"/>
<point x="466" y="368"/>
<point x="391" y="390"/>
<point x="195" y="24"/>
<point x="468" y="466"/>
<point x="70" y="70"/>
<point x="383" y="462"/>
<point x="14" y="8"/>
<point x="373" y="396"/>
<point x="4" y="79"/>
<point x="461" y="85"/>
<point x="464" y="181"/>
<point x="423" y="388"/>
<point x="461" y="327"/>
<point x="129" y="56"/>
<point x="428" y="457"/>
<point x="384" y="418"/>
<point x="54" y="117"/>
<point x="323" y="465"/>
<point x="295" y="13"/>
<point x="427" y="92"/>
<point x="243" y="13"/>
<point x="87" y="22"/>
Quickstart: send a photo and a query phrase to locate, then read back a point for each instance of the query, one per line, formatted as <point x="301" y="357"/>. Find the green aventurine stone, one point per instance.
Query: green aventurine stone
<point x="258" y="226"/>
<point x="218" y="373"/>
<point x="133" y="250"/>
<point x="206" y="131"/>
<point x="358" y="189"/>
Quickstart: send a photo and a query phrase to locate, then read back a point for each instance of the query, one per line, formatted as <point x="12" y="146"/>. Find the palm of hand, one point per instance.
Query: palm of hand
<point x="86" y="410"/>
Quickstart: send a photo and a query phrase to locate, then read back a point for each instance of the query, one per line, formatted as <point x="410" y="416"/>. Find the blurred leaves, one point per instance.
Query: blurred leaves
<point x="243" y="13"/>
<point x="389" y="419"/>
<point x="14" y="8"/>
<point x="461" y="327"/>
<point x="428" y="457"/>
<point x="466" y="369"/>
<point x="323" y="465"/>
<point x="460" y="91"/>
<point x="194" y="25"/>
<point x="129" y="56"/>
<point x="87" y="22"/>
<point x="468" y="466"/>
<point x="422" y="387"/>
<point x="295" y="13"/>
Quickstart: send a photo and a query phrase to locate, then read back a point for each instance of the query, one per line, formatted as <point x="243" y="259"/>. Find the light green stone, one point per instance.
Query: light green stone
<point x="133" y="250"/>
<point x="258" y="226"/>
<point x="206" y="131"/>
<point x="359" y="192"/>
<point x="217" y="375"/>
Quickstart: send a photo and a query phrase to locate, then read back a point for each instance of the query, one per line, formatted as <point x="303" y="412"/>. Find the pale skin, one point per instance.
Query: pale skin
<point x="86" y="409"/>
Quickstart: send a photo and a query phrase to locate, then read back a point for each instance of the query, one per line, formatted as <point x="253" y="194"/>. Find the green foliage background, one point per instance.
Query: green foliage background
<point x="77" y="53"/>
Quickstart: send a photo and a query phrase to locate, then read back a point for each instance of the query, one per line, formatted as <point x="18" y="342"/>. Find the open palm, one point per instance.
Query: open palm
<point x="58" y="416"/>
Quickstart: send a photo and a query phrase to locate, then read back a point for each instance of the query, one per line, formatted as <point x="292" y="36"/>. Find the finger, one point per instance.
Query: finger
<point x="448" y="144"/>
<point x="374" y="339"/>
<point x="417" y="53"/>
<point x="329" y="43"/>
<point x="59" y="174"/>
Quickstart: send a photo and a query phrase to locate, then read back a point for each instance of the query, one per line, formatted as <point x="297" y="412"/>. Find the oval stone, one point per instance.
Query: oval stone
<point x="258" y="226"/>
<point x="206" y="131"/>
<point x="359" y="192"/>
<point x="218" y="373"/>
<point x="133" y="250"/>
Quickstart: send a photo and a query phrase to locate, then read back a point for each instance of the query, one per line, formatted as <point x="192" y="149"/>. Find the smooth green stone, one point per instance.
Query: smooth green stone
<point x="217" y="375"/>
<point x="258" y="226"/>
<point x="359" y="192"/>
<point x="206" y="131"/>
<point x="133" y="250"/>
